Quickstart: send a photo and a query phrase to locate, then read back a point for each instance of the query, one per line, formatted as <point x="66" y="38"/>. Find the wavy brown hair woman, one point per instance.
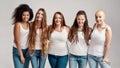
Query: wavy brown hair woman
<point x="73" y="34"/>
<point x="37" y="40"/>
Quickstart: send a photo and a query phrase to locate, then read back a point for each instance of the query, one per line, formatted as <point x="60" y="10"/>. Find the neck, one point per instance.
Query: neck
<point x="101" y="25"/>
<point x="58" y="26"/>
<point x="39" y="24"/>
<point x="80" y="28"/>
<point x="23" y="22"/>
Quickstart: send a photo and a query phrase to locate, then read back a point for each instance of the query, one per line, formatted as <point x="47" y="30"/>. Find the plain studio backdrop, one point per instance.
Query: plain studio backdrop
<point x="69" y="8"/>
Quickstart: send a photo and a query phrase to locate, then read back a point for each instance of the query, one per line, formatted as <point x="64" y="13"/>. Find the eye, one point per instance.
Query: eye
<point x="42" y="14"/>
<point x="38" y="13"/>
<point x="96" y="17"/>
<point x="27" y="14"/>
<point x="100" y="17"/>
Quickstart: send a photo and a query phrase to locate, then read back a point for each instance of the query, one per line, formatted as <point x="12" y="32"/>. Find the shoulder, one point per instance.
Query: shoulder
<point x="16" y="25"/>
<point x="108" y="28"/>
<point x="94" y="25"/>
<point x="90" y="29"/>
<point x="30" y="24"/>
<point x="67" y="28"/>
<point x="49" y="26"/>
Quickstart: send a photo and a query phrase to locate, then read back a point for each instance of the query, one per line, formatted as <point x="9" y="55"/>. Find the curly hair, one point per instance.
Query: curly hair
<point x="17" y="14"/>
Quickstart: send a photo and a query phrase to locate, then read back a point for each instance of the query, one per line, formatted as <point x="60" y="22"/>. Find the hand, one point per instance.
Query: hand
<point x="106" y="60"/>
<point x="22" y="59"/>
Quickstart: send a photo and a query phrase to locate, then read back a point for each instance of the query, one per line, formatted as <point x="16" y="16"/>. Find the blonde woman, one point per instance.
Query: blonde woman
<point x="100" y="42"/>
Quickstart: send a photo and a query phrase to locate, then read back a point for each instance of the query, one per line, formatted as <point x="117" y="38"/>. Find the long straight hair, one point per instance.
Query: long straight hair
<point x="33" y="33"/>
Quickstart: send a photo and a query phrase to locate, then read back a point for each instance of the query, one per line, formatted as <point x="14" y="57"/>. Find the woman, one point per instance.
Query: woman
<point x="21" y="16"/>
<point x="57" y="34"/>
<point x="78" y="39"/>
<point x="100" y="42"/>
<point x="37" y="40"/>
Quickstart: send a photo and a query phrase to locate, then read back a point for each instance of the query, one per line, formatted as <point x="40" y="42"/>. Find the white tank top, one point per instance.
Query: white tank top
<point x="57" y="43"/>
<point x="79" y="48"/>
<point x="23" y="37"/>
<point x="38" y="42"/>
<point x="96" y="47"/>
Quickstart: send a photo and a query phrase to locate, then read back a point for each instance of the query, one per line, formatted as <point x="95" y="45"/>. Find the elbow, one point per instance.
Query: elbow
<point x="107" y="46"/>
<point x="16" y="42"/>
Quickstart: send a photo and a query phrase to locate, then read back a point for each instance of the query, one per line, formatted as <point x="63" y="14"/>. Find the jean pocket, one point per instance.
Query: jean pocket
<point x="15" y="51"/>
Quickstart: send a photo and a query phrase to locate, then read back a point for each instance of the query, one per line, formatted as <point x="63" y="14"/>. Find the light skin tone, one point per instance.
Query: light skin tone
<point x="80" y="22"/>
<point x="39" y="15"/>
<point x="100" y="17"/>
<point x="58" y="20"/>
<point x="25" y="18"/>
<point x="39" y="18"/>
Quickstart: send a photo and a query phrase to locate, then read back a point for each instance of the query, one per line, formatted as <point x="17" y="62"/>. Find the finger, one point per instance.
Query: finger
<point x="108" y="62"/>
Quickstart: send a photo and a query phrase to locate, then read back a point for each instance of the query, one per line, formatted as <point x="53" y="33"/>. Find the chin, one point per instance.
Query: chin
<point x="98" y="22"/>
<point x="58" y="23"/>
<point x="80" y="24"/>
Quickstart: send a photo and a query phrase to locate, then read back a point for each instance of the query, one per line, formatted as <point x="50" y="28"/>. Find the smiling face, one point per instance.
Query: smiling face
<point x="99" y="17"/>
<point x="39" y="15"/>
<point x="58" y="19"/>
<point x="81" y="20"/>
<point x="25" y="16"/>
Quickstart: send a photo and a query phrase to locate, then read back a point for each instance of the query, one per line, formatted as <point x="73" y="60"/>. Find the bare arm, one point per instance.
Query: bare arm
<point x="95" y="24"/>
<point x="30" y="24"/>
<point x="68" y="42"/>
<point x="68" y="29"/>
<point x="107" y="43"/>
<point x="17" y="40"/>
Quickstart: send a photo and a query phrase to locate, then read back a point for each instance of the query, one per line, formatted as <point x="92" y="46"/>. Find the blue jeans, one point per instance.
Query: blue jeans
<point x="17" y="61"/>
<point x="95" y="60"/>
<point x="58" y="61"/>
<point x="74" y="60"/>
<point x="37" y="60"/>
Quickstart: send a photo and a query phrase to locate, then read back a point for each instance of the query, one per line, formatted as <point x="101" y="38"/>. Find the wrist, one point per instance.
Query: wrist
<point x="21" y="55"/>
<point x="105" y="57"/>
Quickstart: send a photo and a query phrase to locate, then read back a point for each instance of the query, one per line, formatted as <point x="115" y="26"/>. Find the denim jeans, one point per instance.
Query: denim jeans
<point x="37" y="60"/>
<point x="95" y="60"/>
<point x="58" y="61"/>
<point x="77" y="61"/>
<point x="17" y="61"/>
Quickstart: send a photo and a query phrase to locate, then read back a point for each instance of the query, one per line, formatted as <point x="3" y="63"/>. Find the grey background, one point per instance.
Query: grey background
<point x="69" y="8"/>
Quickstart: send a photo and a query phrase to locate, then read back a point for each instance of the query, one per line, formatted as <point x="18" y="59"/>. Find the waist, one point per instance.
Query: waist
<point x="23" y="46"/>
